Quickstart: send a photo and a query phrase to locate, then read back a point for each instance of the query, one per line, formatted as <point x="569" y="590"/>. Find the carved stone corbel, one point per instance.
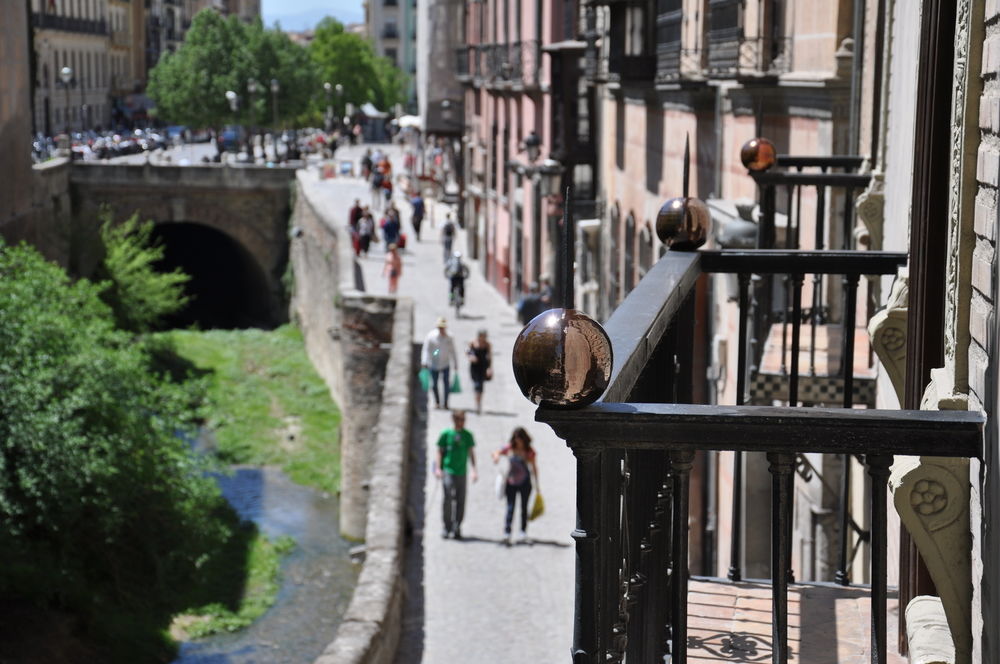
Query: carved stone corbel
<point x="931" y="496"/>
<point x="887" y="330"/>
<point x="870" y="207"/>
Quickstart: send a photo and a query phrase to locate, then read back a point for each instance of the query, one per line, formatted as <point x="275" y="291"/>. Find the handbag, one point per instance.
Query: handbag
<point x="425" y="378"/>
<point x="456" y="385"/>
<point x="537" y="507"/>
<point x="500" y="483"/>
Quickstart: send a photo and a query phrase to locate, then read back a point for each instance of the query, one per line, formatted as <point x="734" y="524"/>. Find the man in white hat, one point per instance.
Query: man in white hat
<point x="438" y="355"/>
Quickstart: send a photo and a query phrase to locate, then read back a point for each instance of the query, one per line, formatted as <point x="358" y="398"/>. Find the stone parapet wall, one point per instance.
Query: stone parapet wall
<point x="46" y="223"/>
<point x="361" y="345"/>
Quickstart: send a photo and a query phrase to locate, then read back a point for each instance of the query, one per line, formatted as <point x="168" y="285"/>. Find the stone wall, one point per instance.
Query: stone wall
<point x="362" y="346"/>
<point x="15" y="119"/>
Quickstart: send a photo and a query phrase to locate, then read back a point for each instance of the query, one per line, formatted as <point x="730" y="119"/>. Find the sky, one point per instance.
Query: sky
<point x="299" y="15"/>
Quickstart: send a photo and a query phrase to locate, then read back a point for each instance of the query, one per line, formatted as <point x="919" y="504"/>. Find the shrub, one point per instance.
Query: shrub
<point x="138" y="295"/>
<point x="103" y="508"/>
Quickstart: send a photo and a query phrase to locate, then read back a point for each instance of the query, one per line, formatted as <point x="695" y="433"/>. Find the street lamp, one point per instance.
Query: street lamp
<point x="328" y="87"/>
<point x="275" y="89"/>
<point x="66" y="76"/>
<point x="532" y="144"/>
<point x="251" y="91"/>
<point x="551" y="177"/>
<point x="234" y="106"/>
<point x="339" y="89"/>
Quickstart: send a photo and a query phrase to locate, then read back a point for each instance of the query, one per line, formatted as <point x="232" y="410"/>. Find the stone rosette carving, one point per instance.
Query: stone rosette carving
<point x="887" y="330"/>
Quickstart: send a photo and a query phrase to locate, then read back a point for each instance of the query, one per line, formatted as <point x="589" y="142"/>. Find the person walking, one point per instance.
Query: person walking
<point x="393" y="268"/>
<point x="390" y="228"/>
<point x="480" y="354"/>
<point x="455" y="455"/>
<point x="523" y="467"/>
<point x="438" y="355"/>
<point x="447" y="236"/>
<point x="417" y="202"/>
<point x="366" y="231"/>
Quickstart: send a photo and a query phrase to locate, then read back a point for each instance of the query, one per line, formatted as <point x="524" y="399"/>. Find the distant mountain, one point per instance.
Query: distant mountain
<point x="306" y="19"/>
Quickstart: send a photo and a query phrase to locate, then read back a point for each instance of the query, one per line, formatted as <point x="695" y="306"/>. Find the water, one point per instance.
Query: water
<point x="317" y="579"/>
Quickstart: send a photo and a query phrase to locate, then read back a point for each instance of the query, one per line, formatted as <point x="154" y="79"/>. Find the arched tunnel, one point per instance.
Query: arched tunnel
<point x="228" y="288"/>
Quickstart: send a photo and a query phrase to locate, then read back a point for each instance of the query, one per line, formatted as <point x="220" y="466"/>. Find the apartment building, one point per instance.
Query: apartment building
<point x="73" y="65"/>
<point x="392" y="26"/>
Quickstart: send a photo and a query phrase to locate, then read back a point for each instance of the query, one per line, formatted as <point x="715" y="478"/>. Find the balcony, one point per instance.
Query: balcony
<point x="731" y="55"/>
<point x="390" y="32"/>
<point x="69" y="24"/>
<point x="635" y="448"/>
<point x="512" y="66"/>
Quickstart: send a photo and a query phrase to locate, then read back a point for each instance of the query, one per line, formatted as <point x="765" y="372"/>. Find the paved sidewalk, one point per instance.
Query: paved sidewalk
<point x="482" y="602"/>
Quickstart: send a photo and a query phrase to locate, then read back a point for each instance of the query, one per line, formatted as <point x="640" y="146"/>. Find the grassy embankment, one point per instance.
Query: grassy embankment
<point x="266" y="406"/>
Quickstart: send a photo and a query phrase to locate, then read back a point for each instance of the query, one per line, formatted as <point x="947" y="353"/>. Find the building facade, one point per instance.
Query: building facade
<point x="392" y="26"/>
<point x="76" y="36"/>
<point x="522" y="137"/>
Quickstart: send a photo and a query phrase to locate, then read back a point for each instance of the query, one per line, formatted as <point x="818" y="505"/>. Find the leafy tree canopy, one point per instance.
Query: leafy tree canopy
<point x="349" y="60"/>
<point x="220" y="55"/>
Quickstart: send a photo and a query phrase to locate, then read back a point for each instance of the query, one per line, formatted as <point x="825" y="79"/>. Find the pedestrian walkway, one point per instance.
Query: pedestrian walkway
<point x="482" y="602"/>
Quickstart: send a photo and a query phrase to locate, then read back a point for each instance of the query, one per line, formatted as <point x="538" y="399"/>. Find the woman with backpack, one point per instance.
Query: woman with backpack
<point x="522" y="468"/>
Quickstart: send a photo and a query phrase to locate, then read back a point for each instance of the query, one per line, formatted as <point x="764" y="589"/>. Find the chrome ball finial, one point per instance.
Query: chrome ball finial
<point x="562" y="359"/>
<point x="683" y="223"/>
<point x="758" y="154"/>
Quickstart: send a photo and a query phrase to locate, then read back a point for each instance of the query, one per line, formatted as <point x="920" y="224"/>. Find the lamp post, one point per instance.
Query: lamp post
<point x="234" y="106"/>
<point x="251" y="91"/>
<point x="275" y="88"/>
<point x="339" y="89"/>
<point x="66" y="76"/>
<point x="328" y="120"/>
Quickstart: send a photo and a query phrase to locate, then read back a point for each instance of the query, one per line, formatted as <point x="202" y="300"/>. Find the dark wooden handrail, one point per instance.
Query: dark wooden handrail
<point x="834" y="161"/>
<point x="782" y="261"/>
<point x="769" y="429"/>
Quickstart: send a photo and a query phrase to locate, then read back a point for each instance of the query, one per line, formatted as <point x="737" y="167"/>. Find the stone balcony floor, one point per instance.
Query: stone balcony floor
<point x="827" y="624"/>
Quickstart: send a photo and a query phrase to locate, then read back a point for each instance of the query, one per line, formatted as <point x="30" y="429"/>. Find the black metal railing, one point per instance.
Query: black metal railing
<point x="69" y="24"/>
<point x="635" y="450"/>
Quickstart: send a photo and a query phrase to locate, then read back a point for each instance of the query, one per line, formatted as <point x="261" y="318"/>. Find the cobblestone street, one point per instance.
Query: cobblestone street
<point x="482" y="602"/>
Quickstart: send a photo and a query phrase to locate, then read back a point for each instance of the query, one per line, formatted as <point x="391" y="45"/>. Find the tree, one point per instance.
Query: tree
<point x="104" y="511"/>
<point x="349" y="60"/>
<point x="220" y="55"/>
<point x="138" y="294"/>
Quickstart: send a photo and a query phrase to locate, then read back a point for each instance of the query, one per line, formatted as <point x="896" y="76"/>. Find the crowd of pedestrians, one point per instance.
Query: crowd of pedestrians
<point x="454" y="460"/>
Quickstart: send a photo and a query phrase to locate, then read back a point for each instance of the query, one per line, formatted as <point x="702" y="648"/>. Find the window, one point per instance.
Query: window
<point x="631" y="36"/>
<point x="391" y="54"/>
<point x="629" y="276"/>
<point x="645" y="249"/>
<point x="670" y="14"/>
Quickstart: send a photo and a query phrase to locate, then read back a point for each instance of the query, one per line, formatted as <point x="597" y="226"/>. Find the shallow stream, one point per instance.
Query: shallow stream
<point x="317" y="576"/>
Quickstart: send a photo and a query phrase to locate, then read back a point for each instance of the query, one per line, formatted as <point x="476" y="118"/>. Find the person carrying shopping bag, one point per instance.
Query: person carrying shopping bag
<point x="522" y="468"/>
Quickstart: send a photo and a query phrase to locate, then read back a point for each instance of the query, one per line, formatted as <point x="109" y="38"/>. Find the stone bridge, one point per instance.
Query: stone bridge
<point x="226" y="226"/>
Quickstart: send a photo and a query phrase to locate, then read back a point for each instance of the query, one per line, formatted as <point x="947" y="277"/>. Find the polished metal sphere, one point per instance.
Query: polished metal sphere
<point x="562" y="359"/>
<point x="683" y="223"/>
<point x="758" y="154"/>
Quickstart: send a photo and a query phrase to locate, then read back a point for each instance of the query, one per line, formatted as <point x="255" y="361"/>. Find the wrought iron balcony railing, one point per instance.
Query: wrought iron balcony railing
<point x="514" y="65"/>
<point x="732" y="55"/>
<point x="636" y="446"/>
<point x="69" y="24"/>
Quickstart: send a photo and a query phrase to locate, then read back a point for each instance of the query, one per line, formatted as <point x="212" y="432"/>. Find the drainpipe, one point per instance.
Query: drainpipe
<point x="854" y="126"/>
<point x="719" y="136"/>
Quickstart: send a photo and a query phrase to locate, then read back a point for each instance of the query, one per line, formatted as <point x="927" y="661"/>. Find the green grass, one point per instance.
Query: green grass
<point x="259" y="577"/>
<point x="266" y="404"/>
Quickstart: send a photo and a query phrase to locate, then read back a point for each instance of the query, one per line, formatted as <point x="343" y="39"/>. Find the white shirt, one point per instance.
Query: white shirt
<point x="438" y="351"/>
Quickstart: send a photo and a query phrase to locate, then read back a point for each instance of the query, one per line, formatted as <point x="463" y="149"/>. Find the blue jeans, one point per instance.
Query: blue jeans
<point x="513" y="491"/>
<point x="446" y="372"/>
